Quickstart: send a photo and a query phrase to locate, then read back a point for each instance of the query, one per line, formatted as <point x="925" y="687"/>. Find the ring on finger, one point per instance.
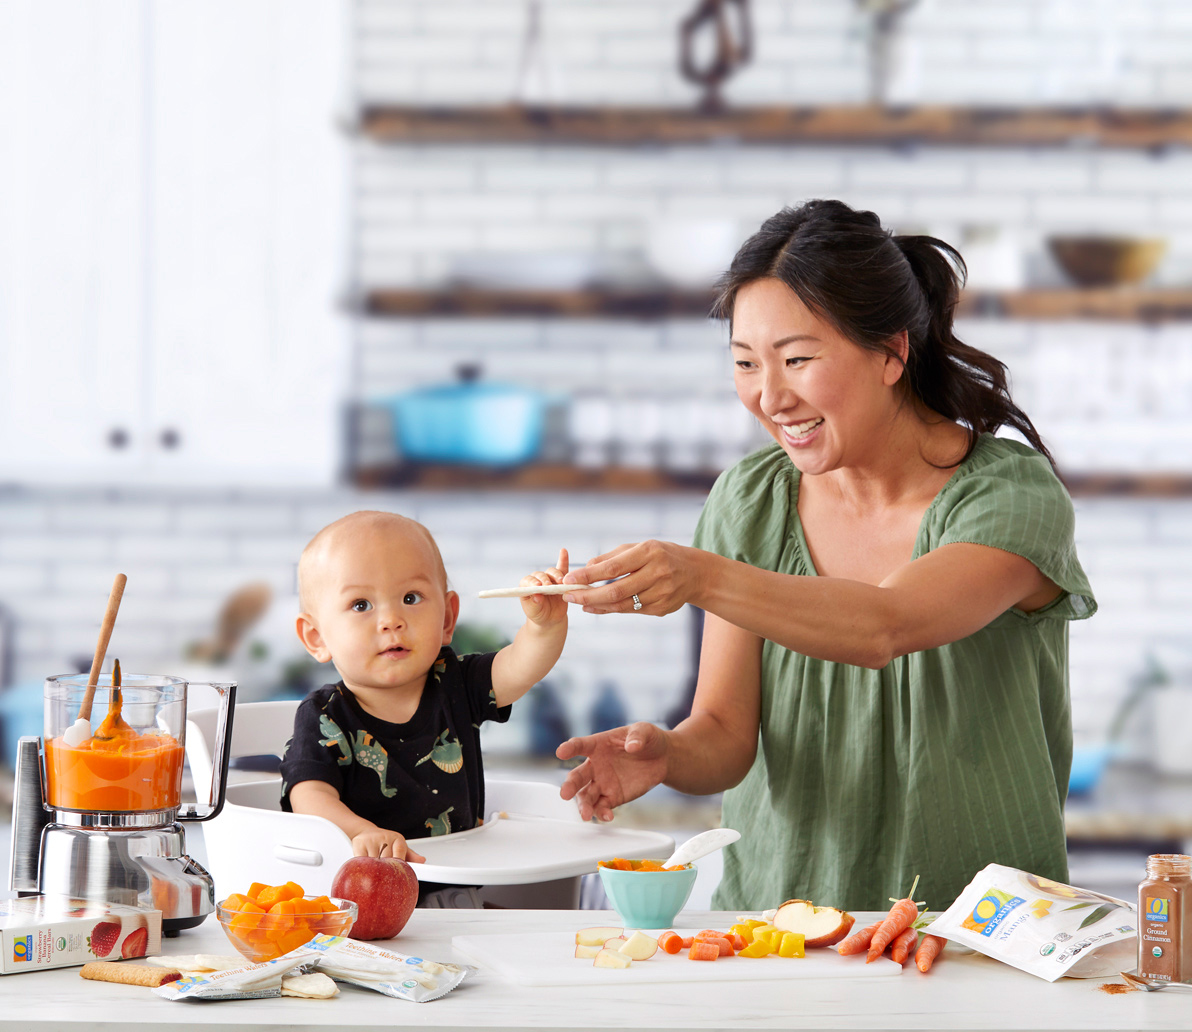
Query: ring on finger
<point x="637" y="603"/>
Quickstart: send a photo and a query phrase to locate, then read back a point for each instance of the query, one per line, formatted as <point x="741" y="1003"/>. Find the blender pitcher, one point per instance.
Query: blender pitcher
<point x="106" y="797"/>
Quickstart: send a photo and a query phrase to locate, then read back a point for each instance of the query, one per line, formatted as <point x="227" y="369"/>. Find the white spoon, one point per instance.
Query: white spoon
<point x="701" y="845"/>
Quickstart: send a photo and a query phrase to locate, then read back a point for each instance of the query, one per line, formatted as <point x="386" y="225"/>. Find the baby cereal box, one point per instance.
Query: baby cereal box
<point x="40" y="932"/>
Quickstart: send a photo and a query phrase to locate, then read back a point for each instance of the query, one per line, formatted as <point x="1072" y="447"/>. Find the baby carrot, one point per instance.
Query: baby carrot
<point x="902" y="945"/>
<point x="902" y="914"/>
<point x="704" y="951"/>
<point x="858" y="942"/>
<point x="928" y="950"/>
<point x="670" y="942"/>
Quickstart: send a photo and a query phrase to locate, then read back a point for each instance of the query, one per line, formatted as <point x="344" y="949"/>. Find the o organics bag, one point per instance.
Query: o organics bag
<point x="1042" y="926"/>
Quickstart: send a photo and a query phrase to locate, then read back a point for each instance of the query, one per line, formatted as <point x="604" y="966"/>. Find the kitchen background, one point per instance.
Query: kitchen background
<point x="250" y="252"/>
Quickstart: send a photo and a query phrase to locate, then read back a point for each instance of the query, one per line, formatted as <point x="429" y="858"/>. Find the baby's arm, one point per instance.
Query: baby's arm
<point x="322" y="800"/>
<point x="537" y="646"/>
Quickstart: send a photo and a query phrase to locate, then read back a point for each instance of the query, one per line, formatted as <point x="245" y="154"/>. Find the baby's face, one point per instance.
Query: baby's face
<point x="379" y="607"/>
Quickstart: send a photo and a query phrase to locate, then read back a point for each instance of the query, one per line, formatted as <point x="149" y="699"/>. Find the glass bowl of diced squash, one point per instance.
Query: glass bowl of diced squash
<point x="644" y="893"/>
<point x="269" y="921"/>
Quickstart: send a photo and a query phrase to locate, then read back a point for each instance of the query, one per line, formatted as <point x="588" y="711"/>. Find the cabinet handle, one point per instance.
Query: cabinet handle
<point x="117" y="438"/>
<point x="170" y="438"/>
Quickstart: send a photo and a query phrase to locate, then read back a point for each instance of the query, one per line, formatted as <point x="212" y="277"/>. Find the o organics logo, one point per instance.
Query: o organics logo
<point x="1156" y="909"/>
<point x="990" y="911"/>
<point x="22" y="949"/>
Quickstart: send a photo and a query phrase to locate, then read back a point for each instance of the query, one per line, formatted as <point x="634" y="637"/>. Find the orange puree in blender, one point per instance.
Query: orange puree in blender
<point x="125" y="774"/>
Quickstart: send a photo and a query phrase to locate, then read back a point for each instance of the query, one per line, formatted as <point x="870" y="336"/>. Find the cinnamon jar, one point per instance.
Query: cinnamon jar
<point x="1164" y="929"/>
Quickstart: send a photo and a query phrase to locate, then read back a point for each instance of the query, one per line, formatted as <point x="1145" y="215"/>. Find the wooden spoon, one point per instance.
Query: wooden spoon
<point x="80" y="731"/>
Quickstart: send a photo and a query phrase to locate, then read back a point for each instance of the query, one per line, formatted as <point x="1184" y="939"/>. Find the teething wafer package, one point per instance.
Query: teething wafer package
<point x="1041" y="926"/>
<point x="334" y="956"/>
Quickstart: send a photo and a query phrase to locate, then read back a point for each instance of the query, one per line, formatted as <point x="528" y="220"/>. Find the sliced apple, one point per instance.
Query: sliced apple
<point x="607" y="958"/>
<point x="639" y="946"/>
<point x="595" y="936"/>
<point x="819" y="926"/>
<point x="587" y="952"/>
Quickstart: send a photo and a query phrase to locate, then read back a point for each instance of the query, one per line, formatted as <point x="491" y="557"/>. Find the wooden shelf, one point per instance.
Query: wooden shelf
<point x="833" y="124"/>
<point x="543" y="477"/>
<point x="610" y="302"/>
<point x="1151" y="305"/>
<point x="534" y="477"/>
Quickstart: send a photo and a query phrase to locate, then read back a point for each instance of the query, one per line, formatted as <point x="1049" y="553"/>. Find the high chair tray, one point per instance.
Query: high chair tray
<point x="512" y="849"/>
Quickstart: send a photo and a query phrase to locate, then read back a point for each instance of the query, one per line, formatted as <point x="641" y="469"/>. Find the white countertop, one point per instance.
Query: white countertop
<point x="962" y="991"/>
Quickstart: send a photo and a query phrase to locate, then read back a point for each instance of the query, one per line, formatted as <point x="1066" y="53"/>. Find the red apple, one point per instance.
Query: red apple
<point x="385" y="891"/>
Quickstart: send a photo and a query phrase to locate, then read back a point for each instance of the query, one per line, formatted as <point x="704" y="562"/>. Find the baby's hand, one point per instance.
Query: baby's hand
<point x="546" y="610"/>
<point x="382" y="842"/>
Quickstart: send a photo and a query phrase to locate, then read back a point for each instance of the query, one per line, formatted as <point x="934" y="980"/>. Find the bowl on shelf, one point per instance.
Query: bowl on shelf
<point x="265" y="935"/>
<point x="648" y="899"/>
<point x="1107" y="261"/>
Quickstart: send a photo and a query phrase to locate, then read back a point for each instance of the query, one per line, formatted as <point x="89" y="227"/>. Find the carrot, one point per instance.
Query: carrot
<point x="858" y="942"/>
<point x="670" y="942"/>
<point x="902" y="914"/>
<point x="928" y="950"/>
<point x="685" y="943"/>
<point x="704" y="951"/>
<point x="719" y="941"/>
<point x="902" y="945"/>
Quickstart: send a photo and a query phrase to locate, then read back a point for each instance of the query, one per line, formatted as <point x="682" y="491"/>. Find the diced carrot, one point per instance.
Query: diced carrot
<point x="704" y="951"/>
<point x="255" y="889"/>
<point x="687" y="941"/>
<point x="736" y="940"/>
<point x="719" y="941"/>
<point x="670" y="942"/>
<point x="235" y="901"/>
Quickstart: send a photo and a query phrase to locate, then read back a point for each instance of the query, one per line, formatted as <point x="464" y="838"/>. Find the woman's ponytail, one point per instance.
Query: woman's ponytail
<point x="959" y="382"/>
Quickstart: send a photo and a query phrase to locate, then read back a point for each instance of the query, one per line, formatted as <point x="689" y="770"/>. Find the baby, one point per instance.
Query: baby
<point x="392" y="752"/>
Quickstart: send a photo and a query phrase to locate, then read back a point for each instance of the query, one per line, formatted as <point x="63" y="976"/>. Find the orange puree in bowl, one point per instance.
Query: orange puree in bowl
<point x="126" y="774"/>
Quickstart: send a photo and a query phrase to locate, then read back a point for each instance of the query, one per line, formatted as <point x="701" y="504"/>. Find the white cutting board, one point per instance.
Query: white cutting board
<point x="548" y="958"/>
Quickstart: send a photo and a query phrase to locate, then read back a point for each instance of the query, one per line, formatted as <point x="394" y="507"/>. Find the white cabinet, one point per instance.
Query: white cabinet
<point x="172" y="241"/>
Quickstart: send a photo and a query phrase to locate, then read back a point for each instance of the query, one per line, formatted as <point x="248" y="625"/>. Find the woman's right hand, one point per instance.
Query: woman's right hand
<point x="620" y="765"/>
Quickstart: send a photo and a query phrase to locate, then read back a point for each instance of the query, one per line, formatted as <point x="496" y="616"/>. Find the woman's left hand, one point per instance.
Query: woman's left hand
<point x="651" y="577"/>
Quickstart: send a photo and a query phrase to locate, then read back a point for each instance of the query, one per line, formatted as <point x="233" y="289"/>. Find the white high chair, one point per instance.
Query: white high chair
<point x="530" y="853"/>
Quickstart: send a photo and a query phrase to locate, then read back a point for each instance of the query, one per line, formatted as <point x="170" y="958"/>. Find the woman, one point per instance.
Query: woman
<point x="886" y="592"/>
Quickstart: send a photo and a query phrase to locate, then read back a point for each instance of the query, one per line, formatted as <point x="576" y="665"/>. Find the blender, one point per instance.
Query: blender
<point x="99" y="815"/>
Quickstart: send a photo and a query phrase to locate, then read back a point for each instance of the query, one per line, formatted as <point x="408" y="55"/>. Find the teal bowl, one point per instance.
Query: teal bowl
<point x="647" y="899"/>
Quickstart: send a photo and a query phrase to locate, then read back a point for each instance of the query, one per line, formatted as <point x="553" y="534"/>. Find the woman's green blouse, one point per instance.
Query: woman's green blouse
<point x="935" y="765"/>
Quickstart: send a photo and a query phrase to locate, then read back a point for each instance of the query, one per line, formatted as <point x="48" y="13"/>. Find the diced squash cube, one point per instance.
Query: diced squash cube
<point x="791" y="945"/>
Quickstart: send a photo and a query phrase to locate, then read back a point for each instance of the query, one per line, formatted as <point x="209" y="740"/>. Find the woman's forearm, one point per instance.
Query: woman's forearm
<point x="705" y="757"/>
<point x="827" y="618"/>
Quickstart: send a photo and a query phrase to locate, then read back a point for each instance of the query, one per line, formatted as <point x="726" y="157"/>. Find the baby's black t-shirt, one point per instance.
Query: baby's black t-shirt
<point x="424" y="777"/>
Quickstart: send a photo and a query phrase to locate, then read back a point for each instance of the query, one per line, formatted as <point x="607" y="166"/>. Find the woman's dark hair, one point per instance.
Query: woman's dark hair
<point x="871" y="285"/>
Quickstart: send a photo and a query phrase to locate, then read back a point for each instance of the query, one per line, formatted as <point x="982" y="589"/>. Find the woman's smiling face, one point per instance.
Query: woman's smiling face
<point x="824" y="399"/>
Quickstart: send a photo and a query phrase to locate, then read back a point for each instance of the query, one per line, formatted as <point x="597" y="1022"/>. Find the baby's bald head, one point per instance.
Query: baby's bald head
<point x="353" y="531"/>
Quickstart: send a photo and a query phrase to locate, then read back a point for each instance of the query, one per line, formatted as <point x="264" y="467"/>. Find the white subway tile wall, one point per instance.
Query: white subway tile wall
<point x="1105" y="396"/>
